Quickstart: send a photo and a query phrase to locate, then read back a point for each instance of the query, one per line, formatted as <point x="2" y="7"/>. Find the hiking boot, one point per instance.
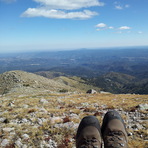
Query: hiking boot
<point x="113" y="131"/>
<point x="89" y="133"/>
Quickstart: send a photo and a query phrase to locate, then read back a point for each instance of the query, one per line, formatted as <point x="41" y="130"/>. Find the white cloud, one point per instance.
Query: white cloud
<point x="118" y="7"/>
<point x="101" y="25"/>
<point x="63" y="9"/>
<point x="111" y="27"/>
<point x="124" y="28"/>
<point x="127" y="6"/>
<point x="8" y="1"/>
<point x="58" y="14"/>
<point x="69" y="4"/>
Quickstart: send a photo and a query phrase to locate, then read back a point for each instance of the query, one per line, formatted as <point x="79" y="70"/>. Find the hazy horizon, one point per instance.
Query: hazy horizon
<point x="73" y="49"/>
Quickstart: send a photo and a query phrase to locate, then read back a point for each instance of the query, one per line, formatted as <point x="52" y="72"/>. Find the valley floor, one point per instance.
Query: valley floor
<point x="50" y="120"/>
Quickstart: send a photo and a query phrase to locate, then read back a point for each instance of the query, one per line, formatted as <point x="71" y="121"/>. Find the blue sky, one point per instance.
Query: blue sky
<point x="27" y="25"/>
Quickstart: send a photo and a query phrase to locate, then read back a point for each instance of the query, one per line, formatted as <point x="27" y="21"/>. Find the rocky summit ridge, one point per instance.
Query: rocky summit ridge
<point x="25" y="82"/>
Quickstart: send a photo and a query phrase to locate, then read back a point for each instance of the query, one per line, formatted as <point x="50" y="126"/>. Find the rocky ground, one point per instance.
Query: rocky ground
<point x="50" y="120"/>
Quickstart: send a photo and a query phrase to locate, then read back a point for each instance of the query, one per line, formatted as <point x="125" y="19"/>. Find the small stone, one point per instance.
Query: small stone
<point x="19" y="143"/>
<point x="2" y="120"/>
<point x="24" y="146"/>
<point x="139" y="126"/>
<point x="8" y="129"/>
<point x="24" y="120"/>
<point x="40" y="121"/>
<point x="43" y="110"/>
<point x="52" y="144"/>
<point x="44" y="101"/>
<point x="130" y="134"/>
<point x="25" y="136"/>
<point x="5" y="142"/>
<point x="25" y="106"/>
<point x="54" y="120"/>
<point x="11" y="104"/>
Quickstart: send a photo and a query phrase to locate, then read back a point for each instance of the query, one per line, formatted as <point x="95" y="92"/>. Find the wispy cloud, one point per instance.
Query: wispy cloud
<point x="111" y="27"/>
<point x="63" y="9"/>
<point x="124" y="28"/>
<point x="58" y="14"/>
<point x="69" y="4"/>
<point x="120" y="6"/>
<point x="8" y="1"/>
<point x="101" y="25"/>
<point x="119" y="30"/>
<point x="127" y="6"/>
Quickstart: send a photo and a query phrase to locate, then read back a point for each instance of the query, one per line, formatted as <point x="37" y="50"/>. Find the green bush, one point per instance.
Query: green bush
<point x="63" y="90"/>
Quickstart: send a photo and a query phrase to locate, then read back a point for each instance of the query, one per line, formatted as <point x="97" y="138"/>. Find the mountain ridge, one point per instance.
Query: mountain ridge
<point x="24" y="82"/>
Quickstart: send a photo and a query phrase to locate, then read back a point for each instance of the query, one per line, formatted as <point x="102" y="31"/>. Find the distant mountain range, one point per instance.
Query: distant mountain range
<point x="123" y="70"/>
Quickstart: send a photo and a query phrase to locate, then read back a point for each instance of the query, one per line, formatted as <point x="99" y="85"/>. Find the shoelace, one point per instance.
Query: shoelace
<point x="115" y="140"/>
<point x="89" y="142"/>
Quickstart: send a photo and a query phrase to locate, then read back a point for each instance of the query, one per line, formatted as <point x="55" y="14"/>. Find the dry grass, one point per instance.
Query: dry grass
<point x="62" y="105"/>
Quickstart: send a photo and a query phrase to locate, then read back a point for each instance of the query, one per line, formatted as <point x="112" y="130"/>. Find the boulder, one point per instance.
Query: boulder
<point x="91" y="91"/>
<point x="142" y="107"/>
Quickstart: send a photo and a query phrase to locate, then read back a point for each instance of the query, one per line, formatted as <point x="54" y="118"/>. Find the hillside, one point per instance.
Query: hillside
<point x="76" y="82"/>
<point x="138" y="87"/>
<point x="120" y="83"/>
<point x="113" y="82"/>
<point x="110" y="82"/>
<point x="50" y="74"/>
<point x="23" y="82"/>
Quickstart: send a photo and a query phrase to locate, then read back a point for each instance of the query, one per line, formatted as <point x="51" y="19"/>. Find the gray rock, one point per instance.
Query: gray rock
<point x="39" y="121"/>
<point x="139" y="126"/>
<point x="8" y="129"/>
<point x="143" y="107"/>
<point x="24" y="120"/>
<point x="130" y="134"/>
<point x="24" y="146"/>
<point x="25" y="136"/>
<point x="2" y="120"/>
<point x="52" y="144"/>
<point x="5" y="143"/>
<point x="91" y="91"/>
<point x="43" y="110"/>
<point x="11" y="104"/>
<point x="18" y="143"/>
<point x="68" y="125"/>
<point x="43" y="101"/>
